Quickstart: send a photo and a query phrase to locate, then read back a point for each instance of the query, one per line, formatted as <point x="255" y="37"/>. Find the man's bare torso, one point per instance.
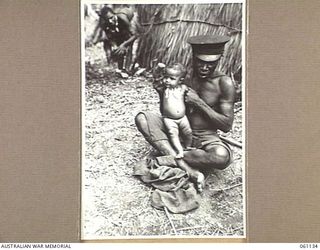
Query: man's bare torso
<point x="209" y="91"/>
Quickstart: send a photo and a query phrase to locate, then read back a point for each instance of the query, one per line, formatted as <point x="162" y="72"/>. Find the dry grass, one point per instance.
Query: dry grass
<point x="117" y="204"/>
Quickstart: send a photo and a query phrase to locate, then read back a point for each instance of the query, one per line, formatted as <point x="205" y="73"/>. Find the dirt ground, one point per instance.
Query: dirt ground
<point x="117" y="204"/>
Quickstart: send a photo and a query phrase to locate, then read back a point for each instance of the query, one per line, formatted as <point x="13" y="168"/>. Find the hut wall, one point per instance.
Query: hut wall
<point x="167" y="28"/>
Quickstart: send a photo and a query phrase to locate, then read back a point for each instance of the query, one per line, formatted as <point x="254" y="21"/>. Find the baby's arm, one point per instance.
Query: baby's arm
<point x="157" y="77"/>
<point x="158" y="86"/>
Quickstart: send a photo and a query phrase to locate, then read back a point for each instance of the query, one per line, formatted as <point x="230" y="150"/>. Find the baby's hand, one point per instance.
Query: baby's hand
<point x="161" y="65"/>
<point x="158" y="71"/>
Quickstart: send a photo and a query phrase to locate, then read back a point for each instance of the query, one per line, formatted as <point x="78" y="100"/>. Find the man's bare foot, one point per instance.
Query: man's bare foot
<point x="179" y="155"/>
<point x="195" y="175"/>
<point x="199" y="180"/>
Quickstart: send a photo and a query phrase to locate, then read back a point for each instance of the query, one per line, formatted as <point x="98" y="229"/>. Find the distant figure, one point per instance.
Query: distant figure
<point x="172" y="92"/>
<point x="119" y="30"/>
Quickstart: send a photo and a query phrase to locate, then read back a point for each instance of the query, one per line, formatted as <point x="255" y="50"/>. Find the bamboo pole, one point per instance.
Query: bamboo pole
<point x="171" y="223"/>
<point x="231" y="141"/>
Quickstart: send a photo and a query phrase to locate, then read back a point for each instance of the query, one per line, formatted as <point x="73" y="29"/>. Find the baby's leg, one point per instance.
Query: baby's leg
<point x="186" y="132"/>
<point x="173" y="132"/>
<point x="177" y="145"/>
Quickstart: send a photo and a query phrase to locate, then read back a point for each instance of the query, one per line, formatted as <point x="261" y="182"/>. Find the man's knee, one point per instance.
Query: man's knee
<point x="141" y="121"/>
<point x="221" y="156"/>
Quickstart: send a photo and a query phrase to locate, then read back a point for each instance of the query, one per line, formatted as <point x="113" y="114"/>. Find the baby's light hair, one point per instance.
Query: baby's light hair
<point x="178" y="67"/>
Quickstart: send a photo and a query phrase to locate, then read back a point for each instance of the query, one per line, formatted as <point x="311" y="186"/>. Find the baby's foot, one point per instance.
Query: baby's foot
<point x="189" y="148"/>
<point x="179" y="155"/>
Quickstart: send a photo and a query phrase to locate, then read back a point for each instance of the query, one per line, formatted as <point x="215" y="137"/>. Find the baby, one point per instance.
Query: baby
<point x="173" y="108"/>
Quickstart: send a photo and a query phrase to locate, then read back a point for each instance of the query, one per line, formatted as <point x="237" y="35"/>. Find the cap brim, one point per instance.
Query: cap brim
<point x="208" y="58"/>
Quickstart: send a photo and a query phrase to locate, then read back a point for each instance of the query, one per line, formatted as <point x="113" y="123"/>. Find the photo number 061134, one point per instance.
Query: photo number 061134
<point x="163" y="120"/>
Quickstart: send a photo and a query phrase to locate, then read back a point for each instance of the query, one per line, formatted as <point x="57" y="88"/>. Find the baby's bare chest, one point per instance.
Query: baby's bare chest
<point x="173" y="103"/>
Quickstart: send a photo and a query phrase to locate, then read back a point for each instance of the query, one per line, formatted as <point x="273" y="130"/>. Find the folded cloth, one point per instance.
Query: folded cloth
<point x="173" y="187"/>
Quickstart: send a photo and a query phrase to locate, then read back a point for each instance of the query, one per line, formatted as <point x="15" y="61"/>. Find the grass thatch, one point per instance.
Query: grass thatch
<point x="169" y="26"/>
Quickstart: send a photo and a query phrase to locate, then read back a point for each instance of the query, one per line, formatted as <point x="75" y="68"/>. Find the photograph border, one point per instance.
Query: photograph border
<point x="120" y="239"/>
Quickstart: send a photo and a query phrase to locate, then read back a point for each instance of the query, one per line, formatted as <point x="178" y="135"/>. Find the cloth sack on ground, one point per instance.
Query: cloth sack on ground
<point x="173" y="188"/>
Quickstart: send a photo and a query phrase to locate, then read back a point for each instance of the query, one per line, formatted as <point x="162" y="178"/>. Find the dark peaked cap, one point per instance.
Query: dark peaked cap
<point x="208" y="48"/>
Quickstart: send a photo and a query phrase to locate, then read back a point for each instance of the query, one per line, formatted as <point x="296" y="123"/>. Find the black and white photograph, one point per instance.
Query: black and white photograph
<point x="163" y="119"/>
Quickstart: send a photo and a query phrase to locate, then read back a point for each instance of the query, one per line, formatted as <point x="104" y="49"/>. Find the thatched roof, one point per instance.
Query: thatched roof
<point x="167" y="28"/>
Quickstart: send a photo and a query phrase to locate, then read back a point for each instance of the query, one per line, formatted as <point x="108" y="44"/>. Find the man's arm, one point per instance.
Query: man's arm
<point x="134" y="30"/>
<point x="98" y="34"/>
<point x="224" y="119"/>
<point x="129" y="41"/>
<point x="122" y="47"/>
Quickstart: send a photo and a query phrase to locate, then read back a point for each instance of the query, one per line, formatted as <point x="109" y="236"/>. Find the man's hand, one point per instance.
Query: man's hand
<point x="191" y="97"/>
<point x="121" y="50"/>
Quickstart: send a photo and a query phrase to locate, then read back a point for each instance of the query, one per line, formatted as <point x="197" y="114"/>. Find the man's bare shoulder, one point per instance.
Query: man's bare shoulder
<point x="227" y="88"/>
<point x="222" y="80"/>
<point x="226" y="82"/>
